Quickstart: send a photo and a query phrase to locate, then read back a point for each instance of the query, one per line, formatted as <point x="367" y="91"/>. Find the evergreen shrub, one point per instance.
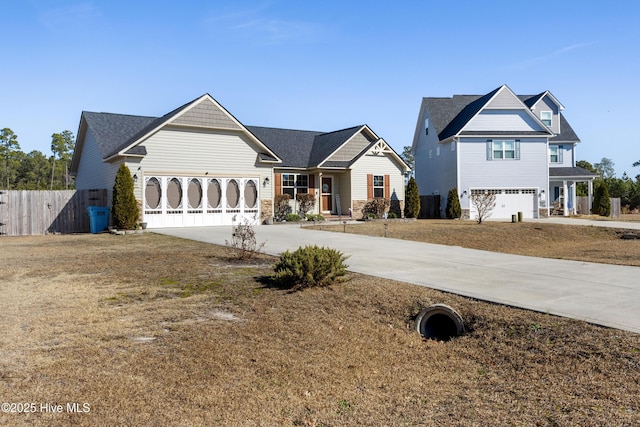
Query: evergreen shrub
<point x="309" y="266"/>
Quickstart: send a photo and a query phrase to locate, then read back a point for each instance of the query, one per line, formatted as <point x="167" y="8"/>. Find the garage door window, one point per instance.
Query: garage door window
<point x="214" y="194"/>
<point x="233" y="194"/>
<point x="174" y="196"/>
<point x="152" y="193"/>
<point x="250" y="195"/>
<point x="194" y="195"/>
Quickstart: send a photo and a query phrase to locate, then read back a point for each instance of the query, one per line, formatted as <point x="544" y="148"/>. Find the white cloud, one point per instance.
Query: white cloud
<point x="70" y="16"/>
<point x="257" y="25"/>
<point x="550" y="56"/>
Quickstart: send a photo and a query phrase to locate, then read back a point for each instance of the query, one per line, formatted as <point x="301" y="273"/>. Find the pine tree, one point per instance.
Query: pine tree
<point x="601" y="202"/>
<point x="453" y="204"/>
<point x="412" y="203"/>
<point x="124" y="206"/>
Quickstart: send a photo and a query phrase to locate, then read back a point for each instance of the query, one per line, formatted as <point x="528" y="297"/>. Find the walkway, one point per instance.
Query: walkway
<point x="603" y="294"/>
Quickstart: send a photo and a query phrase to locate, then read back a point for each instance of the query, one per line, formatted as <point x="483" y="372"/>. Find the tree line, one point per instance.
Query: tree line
<point x="625" y="187"/>
<point x="35" y="170"/>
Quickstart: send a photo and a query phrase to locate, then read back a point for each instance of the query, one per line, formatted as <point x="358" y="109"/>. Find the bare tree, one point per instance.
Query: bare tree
<point x="484" y="202"/>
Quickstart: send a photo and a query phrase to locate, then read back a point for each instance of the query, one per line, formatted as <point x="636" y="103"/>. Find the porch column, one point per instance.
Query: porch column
<point x="574" y="198"/>
<point x="590" y="198"/>
<point x="565" y="192"/>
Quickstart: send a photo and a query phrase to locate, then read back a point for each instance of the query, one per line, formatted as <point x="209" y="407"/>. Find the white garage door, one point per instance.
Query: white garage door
<point x="182" y="201"/>
<point x="510" y="201"/>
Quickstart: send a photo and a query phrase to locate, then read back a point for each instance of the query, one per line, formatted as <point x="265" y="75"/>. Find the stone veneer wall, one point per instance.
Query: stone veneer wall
<point x="357" y="208"/>
<point x="543" y="213"/>
<point x="466" y="213"/>
<point x="266" y="210"/>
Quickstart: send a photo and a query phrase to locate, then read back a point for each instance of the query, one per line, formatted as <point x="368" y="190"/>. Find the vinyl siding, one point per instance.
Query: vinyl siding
<point x="92" y="172"/>
<point x="504" y="99"/>
<point x="351" y="149"/>
<point x="568" y="159"/>
<point x="503" y="120"/>
<point x="546" y="104"/>
<point x="206" y="114"/>
<point x="436" y="174"/>
<point x="201" y="153"/>
<point x="476" y="171"/>
<point x="376" y="165"/>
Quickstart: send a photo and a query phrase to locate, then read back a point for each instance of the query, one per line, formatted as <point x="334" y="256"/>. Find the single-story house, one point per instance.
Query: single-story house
<point x="198" y="165"/>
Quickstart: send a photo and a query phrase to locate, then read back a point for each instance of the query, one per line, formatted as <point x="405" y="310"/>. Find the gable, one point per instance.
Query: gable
<point x="514" y="120"/>
<point x="504" y="99"/>
<point x="206" y="114"/>
<point x="351" y="149"/>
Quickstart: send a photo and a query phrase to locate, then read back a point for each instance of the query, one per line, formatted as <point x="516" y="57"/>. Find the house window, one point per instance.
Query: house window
<point x="293" y="184"/>
<point x="545" y="117"/>
<point x="453" y="146"/>
<point x="426" y="126"/>
<point x="430" y="154"/>
<point x="504" y="149"/>
<point x="378" y="186"/>
<point x="437" y="150"/>
<point x="555" y="153"/>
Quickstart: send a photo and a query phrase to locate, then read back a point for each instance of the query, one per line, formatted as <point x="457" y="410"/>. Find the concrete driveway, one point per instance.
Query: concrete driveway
<point x="603" y="294"/>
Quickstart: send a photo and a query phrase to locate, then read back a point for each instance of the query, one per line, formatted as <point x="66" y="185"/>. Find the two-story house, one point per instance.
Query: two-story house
<point x="519" y="147"/>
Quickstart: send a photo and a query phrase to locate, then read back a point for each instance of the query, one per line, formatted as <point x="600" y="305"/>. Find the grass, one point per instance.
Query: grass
<point x="581" y="243"/>
<point x="153" y="330"/>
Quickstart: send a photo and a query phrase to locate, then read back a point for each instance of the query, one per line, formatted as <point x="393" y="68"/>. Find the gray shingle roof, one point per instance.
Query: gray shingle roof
<point x="570" y="172"/>
<point x="296" y="148"/>
<point x="292" y="146"/>
<point x="112" y="131"/>
<point x="449" y="115"/>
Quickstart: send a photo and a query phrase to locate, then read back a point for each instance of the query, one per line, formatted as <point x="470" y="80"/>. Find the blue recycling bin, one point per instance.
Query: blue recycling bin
<point x="98" y="218"/>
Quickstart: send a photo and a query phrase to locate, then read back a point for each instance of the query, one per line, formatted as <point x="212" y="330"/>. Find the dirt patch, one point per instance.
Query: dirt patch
<point x="153" y="330"/>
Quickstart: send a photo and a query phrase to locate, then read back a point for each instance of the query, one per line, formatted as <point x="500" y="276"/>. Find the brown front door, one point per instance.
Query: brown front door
<point x="327" y="205"/>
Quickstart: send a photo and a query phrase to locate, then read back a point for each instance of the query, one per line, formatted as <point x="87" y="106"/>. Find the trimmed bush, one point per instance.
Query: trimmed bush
<point x="305" y="201"/>
<point x="376" y="208"/>
<point x="311" y="266"/>
<point x="312" y="217"/>
<point x="601" y="202"/>
<point x="124" y="207"/>
<point x="293" y="217"/>
<point x="392" y="215"/>
<point x="453" y="204"/>
<point x="281" y="206"/>
<point x="412" y="203"/>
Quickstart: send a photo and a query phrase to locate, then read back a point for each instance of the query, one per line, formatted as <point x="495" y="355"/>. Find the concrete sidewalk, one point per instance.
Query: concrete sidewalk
<point x="603" y="294"/>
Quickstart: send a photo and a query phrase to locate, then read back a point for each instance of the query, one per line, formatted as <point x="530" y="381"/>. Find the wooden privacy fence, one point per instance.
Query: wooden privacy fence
<point x="582" y="206"/>
<point x="24" y="213"/>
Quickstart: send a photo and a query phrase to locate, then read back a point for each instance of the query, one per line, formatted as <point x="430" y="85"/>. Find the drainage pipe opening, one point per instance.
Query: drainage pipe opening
<point x="439" y="322"/>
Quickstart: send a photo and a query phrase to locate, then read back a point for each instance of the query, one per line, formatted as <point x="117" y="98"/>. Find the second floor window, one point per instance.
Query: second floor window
<point x="504" y="149"/>
<point x="555" y="153"/>
<point x="545" y="117"/>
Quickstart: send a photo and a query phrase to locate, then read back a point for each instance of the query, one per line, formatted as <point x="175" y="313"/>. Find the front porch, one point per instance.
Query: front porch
<point x="563" y="190"/>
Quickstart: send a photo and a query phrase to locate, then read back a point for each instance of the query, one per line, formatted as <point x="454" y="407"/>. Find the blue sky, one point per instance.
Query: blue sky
<point x="320" y="65"/>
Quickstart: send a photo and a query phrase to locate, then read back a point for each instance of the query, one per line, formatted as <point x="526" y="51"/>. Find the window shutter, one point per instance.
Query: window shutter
<point x="489" y="149"/>
<point x="387" y="194"/>
<point x="560" y="150"/>
<point x="517" y="149"/>
<point x="278" y="178"/>
<point x="370" y="186"/>
<point x="312" y="183"/>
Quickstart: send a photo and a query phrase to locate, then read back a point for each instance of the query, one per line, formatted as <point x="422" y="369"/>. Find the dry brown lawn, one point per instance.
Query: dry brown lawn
<point x="581" y="243"/>
<point x="153" y="330"/>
